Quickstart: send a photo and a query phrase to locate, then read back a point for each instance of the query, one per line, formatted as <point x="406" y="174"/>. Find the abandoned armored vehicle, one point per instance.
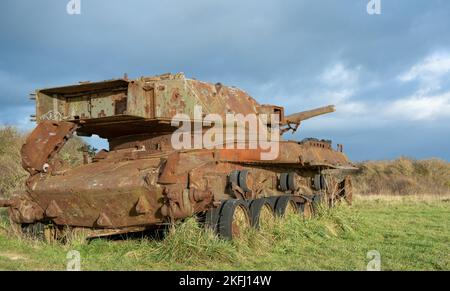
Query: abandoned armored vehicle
<point x="146" y="180"/>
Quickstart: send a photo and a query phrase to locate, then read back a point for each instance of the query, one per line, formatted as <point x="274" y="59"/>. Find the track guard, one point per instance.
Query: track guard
<point x="43" y="143"/>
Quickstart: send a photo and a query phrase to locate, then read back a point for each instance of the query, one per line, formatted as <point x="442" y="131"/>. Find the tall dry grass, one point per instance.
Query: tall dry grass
<point x="12" y="175"/>
<point x="403" y="176"/>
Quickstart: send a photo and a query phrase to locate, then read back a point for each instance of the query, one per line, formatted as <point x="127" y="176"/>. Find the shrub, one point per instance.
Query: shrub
<point x="403" y="176"/>
<point x="12" y="175"/>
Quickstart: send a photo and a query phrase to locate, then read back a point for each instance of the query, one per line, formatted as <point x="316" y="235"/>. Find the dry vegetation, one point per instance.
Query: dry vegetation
<point x="12" y="175"/>
<point x="403" y="176"/>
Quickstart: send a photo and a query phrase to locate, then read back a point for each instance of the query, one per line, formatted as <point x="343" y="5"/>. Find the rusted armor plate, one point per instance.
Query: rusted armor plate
<point x="43" y="143"/>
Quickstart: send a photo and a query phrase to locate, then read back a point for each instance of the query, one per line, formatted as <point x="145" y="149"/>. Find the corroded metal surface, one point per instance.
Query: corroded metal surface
<point x="5" y="203"/>
<point x="301" y="116"/>
<point x="142" y="181"/>
<point x="43" y="143"/>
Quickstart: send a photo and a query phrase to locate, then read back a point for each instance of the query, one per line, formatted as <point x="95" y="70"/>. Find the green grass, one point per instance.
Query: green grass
<point x="410" y="235"/>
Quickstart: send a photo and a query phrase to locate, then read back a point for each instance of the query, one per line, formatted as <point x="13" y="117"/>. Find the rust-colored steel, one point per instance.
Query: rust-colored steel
<point x="142" y="181"/>
<point x="43" y="143"/>
<point x="5" y="203"/>
<point x="301" y="116"/>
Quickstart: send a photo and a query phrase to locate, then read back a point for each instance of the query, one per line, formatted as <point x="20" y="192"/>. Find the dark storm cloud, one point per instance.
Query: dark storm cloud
<point x="278" y="51"/>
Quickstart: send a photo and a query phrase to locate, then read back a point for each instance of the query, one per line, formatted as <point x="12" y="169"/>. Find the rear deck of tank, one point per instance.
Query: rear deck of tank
<point x="102" y="194"/>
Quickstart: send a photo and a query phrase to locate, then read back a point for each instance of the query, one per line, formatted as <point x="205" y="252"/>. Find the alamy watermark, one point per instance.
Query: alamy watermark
<point x="253" y="131"/>
<point x="375" y="260"/>
<point x="73" y="7"/>
<point x="374" y="7"/>
<point x="73" y="261"/>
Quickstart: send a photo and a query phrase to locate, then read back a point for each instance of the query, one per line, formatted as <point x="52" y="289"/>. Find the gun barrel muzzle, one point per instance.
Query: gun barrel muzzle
<point x="304" y="115"/>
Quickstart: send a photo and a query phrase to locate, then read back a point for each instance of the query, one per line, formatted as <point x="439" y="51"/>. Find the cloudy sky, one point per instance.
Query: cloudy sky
<point x="387" y="74"/>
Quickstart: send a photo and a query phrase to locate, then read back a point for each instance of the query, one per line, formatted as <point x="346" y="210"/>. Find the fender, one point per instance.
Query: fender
<point x="44" y="142"/>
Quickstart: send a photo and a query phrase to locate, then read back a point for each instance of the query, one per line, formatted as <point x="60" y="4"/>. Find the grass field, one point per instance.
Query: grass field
<point x="409" y="234"/>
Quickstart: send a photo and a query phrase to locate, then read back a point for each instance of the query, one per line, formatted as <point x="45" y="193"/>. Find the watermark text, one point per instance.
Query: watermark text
<point x="74" y="7"/>
<point x="374" y="7"/>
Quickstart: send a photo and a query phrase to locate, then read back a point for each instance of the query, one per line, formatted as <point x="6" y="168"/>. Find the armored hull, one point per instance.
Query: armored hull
<point x="145" y="181"/>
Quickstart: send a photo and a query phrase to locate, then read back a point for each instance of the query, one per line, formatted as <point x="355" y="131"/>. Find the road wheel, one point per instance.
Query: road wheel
<point x="234" y="219"/>
<point x="261" y="212"/>
<point x="317" y="202"/>
<point x="234" y="177"/>
<point x="211" y="218"/>
<point x="284" y="182"/>
<point x="246" y="180"/>
<point x="292" y="181"/>
<point x="285" y="205"/>
<point x="307" y="210"/>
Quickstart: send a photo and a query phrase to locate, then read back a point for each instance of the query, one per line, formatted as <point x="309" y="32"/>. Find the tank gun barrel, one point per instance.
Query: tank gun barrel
<point x="304" y="115"/>
<point x="292" y="122"/>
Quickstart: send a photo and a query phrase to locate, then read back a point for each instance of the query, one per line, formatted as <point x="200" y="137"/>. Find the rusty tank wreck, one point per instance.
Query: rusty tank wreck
<point x="142" y="182"/>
